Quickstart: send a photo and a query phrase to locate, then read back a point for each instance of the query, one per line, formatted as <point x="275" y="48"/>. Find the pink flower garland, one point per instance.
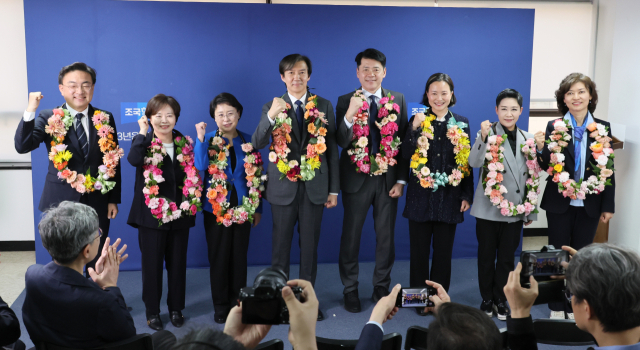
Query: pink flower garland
<point x="601" y="152"/>
<point x="494" y="169"/>
<point x="161" y="207"/>
<point x="389" y="145"/>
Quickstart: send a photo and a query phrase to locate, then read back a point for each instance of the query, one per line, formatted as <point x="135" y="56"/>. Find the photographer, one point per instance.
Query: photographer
<point x="603" y="284"/>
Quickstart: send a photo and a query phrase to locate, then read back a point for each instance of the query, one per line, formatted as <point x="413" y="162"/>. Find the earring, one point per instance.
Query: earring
<point x="589" y="101"/>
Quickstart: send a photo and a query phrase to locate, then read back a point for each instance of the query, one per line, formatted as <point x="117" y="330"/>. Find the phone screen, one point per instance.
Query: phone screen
<point x="415" y="297"/>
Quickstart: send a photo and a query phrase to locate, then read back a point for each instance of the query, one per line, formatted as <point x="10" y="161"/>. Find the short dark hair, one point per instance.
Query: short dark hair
<point x="461" y="327"/>
<point x="607" y="277"/>
<point x="509" y="93"/>
<point x="372" y="54"/>
<point x="289" y="61"/>
<point x="158" y="101"/>
<point x="565" y="86"/>
<point x="225" y="98"/>
<point x="439" y="77"/>
<point x="74" y="67"/>
<point x="207" y="338"/>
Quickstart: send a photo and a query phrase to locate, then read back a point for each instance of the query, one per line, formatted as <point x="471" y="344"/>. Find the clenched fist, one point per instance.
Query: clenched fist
<point x="201" y="129"/>
<point x="144" y="125"/>
<point x="485" y="126"/>
<point x="34" y="101"/>
<point x="417" y="120"/>
<point x="354" y="105"/>
<point x="277" y="107"/>
<point x="539" y="137"/>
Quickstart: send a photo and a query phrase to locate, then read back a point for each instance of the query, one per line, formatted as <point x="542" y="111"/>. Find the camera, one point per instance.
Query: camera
<point x="263" y="303"/>
<point x="415" y="297"/>
<point x="542" y="264"/>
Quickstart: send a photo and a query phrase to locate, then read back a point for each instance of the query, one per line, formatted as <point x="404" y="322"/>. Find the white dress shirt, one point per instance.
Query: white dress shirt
<point x="29" y="116"/>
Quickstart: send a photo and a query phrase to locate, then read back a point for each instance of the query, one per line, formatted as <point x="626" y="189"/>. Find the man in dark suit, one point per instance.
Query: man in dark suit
<point x="9" y="325"/>
<point x="76" y="83"/>
<point x="61" y="306"/>
<point x="360" y="190"/>
<point x="385" y="309"/>
<point x="297" y="200"/>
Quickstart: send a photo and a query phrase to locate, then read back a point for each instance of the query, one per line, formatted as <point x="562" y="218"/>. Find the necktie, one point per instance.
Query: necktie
<point x="300" y="115"/>
<point x="578" y="132"/>
<point x="81" y="135"/>
<point x="373" y="129"/>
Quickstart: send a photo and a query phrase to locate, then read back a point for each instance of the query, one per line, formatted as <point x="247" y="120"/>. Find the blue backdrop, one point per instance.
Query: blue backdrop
<point x="193" y="51"/>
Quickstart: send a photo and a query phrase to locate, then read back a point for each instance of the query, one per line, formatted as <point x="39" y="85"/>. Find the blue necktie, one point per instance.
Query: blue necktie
<point x="578" y="132"/>
<point x="300" y="115"/>
<point x="373" y="129"/>
<point x="82" y="137"/>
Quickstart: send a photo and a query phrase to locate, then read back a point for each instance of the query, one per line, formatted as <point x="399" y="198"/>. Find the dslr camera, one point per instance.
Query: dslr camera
<point x="263" y="303"/>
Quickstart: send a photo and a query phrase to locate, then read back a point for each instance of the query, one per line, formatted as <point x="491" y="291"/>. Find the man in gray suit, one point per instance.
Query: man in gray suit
<point x="498" y="234"/>
<point x="360" y="191"/>
<point x="292" y="199"/>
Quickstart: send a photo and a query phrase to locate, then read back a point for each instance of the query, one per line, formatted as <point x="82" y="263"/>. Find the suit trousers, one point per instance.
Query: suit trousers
<point x="156" y="247"/>
<point x="496" y="239"/>
<point x="374" y="192"/>
<point x="227" y="249"/>
<point x="103" y="223"/>
<point x="420" y="235"/>
<point x="309" y="218"/>
<point x="574" y="228"/>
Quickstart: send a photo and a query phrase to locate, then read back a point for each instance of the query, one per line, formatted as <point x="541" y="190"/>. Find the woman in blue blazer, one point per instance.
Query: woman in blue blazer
<point x="227" y="241"/>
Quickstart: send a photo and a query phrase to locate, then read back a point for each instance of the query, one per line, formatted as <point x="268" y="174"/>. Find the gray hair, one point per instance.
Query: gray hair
<point x="66" y="229"/>
<point x="608" y="278"/>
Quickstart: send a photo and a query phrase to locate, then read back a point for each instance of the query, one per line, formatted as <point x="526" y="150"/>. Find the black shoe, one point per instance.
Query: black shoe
<point x="487" y="307"/>
<point x="420" y="311"/>
<point x="220" y="318"/>
<point x="502" y="310"/>
<point x="352" y="302"/>
<point x="320" y="315"/>
<point x="379" y="292"/>
<point x="154" y="322"/>
<point x="177" y="319"/>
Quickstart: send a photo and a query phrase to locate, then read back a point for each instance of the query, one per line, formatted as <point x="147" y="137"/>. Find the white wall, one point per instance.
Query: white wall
<point x="622" y="28"/>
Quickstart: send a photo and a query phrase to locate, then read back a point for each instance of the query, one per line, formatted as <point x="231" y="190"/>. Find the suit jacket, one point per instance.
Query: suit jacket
<point x="327" y="179"/>
<point x="28" y="137"/>
<point x="238" y="177"/>
<point x="350" y="179"/>
<point x="140" y="214"/>
<point x="9" y="325"/>
<point x="515" y="177"/>
<point x="63" y="307"/>
<point x="443" y="205"/>
<point x="370" y="338"/>
<point x="553" y="201"/>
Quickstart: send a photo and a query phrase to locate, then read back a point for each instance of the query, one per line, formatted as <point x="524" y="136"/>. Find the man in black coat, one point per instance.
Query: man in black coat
<point x="9" y="325"/>
<point x="76" y="83"/>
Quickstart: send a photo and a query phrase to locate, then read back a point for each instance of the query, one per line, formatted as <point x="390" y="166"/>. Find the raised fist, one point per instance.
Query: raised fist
<point x="354" y="105"/>
<point x="485" y="126"/>
<point x="144" y="125"/>
<point x="539" y="137"/>
<point x="201" y="129"/>
<point x="417" y="120"/>
<point x="277" y="107"/>
<point x="34" y="101"/>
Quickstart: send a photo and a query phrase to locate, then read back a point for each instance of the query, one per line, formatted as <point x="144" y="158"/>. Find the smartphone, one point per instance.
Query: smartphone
<point x="415" y="297"/>
<point x="542" y="264"/>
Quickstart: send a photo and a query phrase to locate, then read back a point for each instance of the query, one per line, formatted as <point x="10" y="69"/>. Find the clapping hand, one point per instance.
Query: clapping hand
<point x="34" y="101"/>
<point x="105" y="253"/>
<point x="110" y="270"/>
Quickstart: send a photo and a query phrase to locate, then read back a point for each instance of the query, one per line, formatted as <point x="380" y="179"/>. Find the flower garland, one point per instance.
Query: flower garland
<point x="316" y="127"/>
<point x="161" y="207"/>
<point x="492" y="181"/>
<point x="601" y="151"/>
<point x="461" y="150"/>
<point x="57" y="127"/>
<point x="389" y="145"/>
<point x="219" y="186"/>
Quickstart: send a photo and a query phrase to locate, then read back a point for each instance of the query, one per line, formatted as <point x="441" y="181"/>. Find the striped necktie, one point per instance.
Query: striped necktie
<point x="82" y="136"/>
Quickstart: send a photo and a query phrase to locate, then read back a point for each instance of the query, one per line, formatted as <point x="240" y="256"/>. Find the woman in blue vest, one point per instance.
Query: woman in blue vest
<point x="221" y="156"/>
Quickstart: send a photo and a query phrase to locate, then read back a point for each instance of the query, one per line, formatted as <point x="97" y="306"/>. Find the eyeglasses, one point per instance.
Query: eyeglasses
<point x="99" y="234"/>
<point x="86" y="87"/>
<point x="230" y="116"/>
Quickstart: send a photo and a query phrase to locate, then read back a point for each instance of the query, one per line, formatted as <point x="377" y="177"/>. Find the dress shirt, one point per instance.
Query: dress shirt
<point x="382" y="329"/>
<point x="29" y="116"/>
<point x="378" y="96"/>
<point x="583" y="152"/>
<point x="293" y="105"/>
